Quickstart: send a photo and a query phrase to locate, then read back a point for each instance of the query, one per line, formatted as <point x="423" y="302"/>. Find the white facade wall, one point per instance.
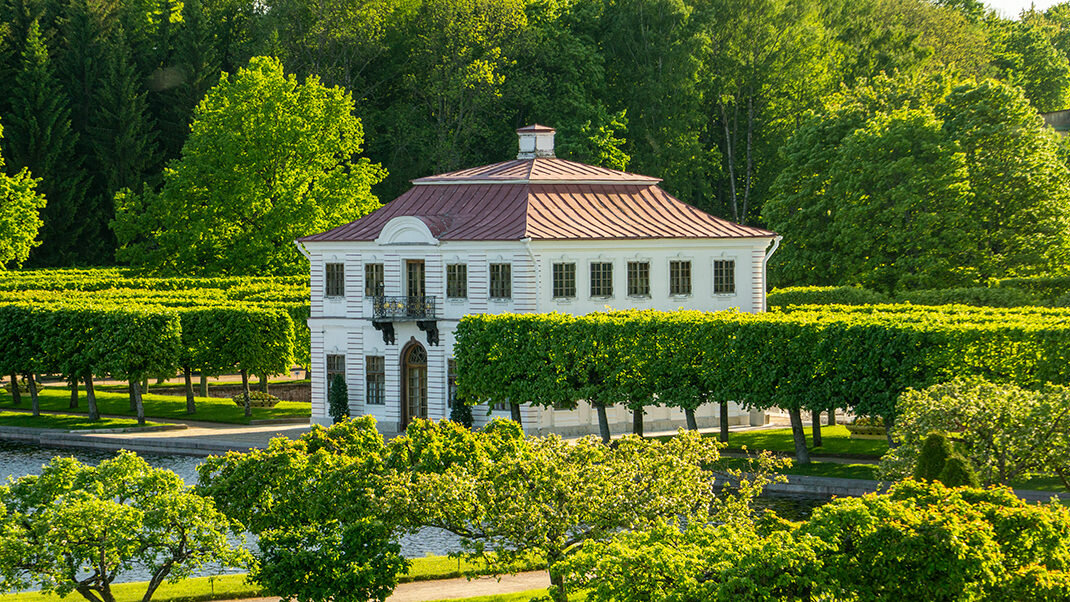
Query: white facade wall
<point x="343" y="325"/>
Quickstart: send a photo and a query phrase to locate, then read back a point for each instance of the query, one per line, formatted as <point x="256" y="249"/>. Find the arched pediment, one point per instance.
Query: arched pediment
<point x="406" y="230"/>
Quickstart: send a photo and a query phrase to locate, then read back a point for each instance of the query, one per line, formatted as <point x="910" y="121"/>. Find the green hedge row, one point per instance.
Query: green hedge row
<point x="809" y="358"/>
<point x="1009" y="292"/>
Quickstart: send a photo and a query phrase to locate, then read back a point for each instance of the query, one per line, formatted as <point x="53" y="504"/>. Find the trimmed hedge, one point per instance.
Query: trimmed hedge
<point x="824" y="295"/>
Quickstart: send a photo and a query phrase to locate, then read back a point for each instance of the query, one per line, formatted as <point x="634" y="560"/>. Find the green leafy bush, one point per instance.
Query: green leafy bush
<point x="1045" y="288"/>
<point x="921" y="541"/>
<point x="257" y="399"/>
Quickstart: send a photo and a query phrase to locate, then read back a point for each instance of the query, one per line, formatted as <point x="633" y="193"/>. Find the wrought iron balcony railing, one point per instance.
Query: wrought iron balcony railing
<point x="403" y="308"/>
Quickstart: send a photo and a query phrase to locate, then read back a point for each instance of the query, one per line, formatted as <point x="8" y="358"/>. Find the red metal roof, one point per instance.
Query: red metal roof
<point x="543" y="199"/>
<point x="540" y="169"/>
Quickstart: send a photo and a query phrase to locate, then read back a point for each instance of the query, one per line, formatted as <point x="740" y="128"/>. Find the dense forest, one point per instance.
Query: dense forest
<point x="97" y="96"/>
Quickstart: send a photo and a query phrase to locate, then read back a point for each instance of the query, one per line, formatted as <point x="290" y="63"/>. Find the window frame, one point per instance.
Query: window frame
<point x="370" y="279"/>
<point x="601" y="279"/>
<point x="688" y="273"/>
<point x="334" y="280"/>
<point x="628" y="272"/>
<point x="730" y="281"/>
<point x="555" y="293"/>
<point x="457" y="282"/>
<point x="379" y="376"/>
<point x="495" y="292"/>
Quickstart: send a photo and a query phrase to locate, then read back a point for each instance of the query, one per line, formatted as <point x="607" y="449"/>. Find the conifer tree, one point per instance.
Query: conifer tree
<point x="40" y="138"/>
<point x="124" y="151"/>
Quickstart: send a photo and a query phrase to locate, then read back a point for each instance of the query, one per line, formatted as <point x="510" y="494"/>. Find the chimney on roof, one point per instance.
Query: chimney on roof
<point x="535" y="141"/>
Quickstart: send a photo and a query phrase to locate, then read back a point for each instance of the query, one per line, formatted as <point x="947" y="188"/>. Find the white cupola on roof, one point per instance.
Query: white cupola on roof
<point x="536" y="141"/>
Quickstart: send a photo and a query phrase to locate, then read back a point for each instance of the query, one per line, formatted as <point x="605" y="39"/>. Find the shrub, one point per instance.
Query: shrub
<point x="957" y="472"/>
<point x="338" y="400"/>
<point x="934" y="454"/>
<point x="1044" y="288"/>
<point x="825" y="295"/>
<point x="461" y="413"/>
<point x="257" y="399"/>
<point x="874" y="421"/>
<point x="977" y="295"/>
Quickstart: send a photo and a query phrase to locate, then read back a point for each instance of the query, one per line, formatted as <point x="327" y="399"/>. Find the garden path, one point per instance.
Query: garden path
<point x="453" y="589"/>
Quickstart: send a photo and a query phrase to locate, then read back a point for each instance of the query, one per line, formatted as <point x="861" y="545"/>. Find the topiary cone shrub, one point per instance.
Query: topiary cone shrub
<point x="934" y="453"/>
<point x="338" y="399"/>
<point x="461" y="413"/>
<point x="957" y="472"/>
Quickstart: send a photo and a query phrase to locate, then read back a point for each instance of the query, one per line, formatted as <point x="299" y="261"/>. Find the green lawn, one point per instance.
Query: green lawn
<point x="226" y="587"/>
<point x="209" y="409"/>
<point x="835" y="440"/>
<point x="67" y="422"/>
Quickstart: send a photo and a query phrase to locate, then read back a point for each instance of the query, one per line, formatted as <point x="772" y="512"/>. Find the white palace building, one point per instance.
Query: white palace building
<point x="534" y="234"/>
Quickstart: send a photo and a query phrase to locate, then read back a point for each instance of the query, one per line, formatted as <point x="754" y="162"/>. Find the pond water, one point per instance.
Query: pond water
<point x="18" y="459"/>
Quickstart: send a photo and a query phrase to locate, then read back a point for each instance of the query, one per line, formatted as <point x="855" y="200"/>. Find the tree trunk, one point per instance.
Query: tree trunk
<point x="689" y="415"/>
<point x="91" y="397"/>
<point x="191" y="405"/>
<point x="816" y="427"/>
<point x="245" y="392"/>
<point x="204" y="385"/>
<point x="603" y="423"/>
<point x="722" y="409"/>
<point x="133" y="399"/>
<point x="558" y="591"/>
<point x="263" y="383"/>
<point x="16" y="395"/>
<point x="73" y="384"/>
<point x="802" y="455"/>
<point x="35" y="401"/>
<point x="514" y="413"/>
<point x="832" y="417"/>
<point x="144" y="385"/>
<point x="140" y="404"/>
<point x="637" y="421"/>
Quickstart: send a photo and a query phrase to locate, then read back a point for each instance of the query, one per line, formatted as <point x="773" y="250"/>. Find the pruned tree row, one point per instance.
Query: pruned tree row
<point x="810" y="358"/>
<point x="132" y="343"/>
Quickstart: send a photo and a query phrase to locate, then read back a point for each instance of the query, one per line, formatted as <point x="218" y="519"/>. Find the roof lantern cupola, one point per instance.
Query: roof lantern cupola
<point x="536" y="141"/>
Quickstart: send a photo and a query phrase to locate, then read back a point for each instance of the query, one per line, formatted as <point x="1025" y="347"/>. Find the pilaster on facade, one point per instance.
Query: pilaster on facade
<point x="478" y="292"/>
<point x="316" y="283"/>
<point x="319" y="377"/>
<point x="355" y="371"/>
<point x="354" y="285"/>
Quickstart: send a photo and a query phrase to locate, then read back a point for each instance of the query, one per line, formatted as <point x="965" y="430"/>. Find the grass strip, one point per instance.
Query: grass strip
<point x="235" y="586"/>
<point x="835" y="441"/>
<point x="209" y="409"/>
<point x="66" y="422"/>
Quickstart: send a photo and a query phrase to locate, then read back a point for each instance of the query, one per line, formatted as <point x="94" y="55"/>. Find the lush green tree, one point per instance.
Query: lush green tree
<point x="39" y="137"/>
<point x="1027" y="58"/>
<point x="985" y="144"/>
<point x="278" y="155"/>
<point x="1010" y="154"/>
<point x="320" y="510"/>
<point x="934" y="453"/>
<point x="1007" y="432"/>
<point x="20" y="206"/>
<point x="75" y="528"/>
<point x="514" y="496"/>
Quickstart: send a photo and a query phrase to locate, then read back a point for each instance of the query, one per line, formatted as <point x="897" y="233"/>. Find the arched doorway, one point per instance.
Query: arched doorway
<point x="413" y="383"/>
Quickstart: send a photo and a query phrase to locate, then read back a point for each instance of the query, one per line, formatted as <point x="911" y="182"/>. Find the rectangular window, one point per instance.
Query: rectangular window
<point x="336" y="366"/>
<point x="457" y="281"/>
<point x="501" y="281"/>
<point x="373" y="279"/>
<point x="679" y="277"/>
<point x="724" y="276"/>
<point x="601" y="279"/>
<point x="638" y="279"/>
<point x="564" y="277"/>
<point x="336" y="280"/>
<point x="375" y="375"/>
<point x="451" y="383"/>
